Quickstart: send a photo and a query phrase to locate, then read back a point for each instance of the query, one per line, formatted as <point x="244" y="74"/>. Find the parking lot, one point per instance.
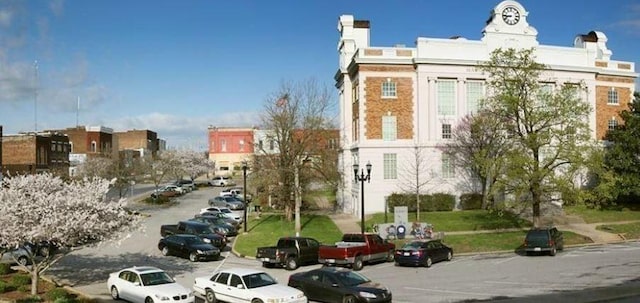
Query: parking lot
<point x="474" y="277"/>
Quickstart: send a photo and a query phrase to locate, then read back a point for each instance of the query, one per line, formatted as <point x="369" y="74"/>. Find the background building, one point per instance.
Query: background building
<point x="87" y="142"/>
<point x="394" y="100"/>
<point x="228" y="147"/>
<point x="31" y="153"/>
<point x="0" y="153"/>
<point x="144" y="141"/>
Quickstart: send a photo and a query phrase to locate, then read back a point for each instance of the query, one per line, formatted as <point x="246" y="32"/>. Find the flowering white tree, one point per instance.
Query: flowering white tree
<point x="44" y="208"/>
<point x="194" y="163"/>
<point x="96" y="167"/>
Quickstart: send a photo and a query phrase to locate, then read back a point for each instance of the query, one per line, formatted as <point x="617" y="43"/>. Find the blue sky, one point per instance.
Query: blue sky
<point x="176" y="67"/>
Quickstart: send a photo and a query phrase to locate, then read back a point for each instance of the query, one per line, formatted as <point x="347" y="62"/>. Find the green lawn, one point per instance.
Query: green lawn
<point x="591" y="215"/>
<point x="460" y="220"/>
<point x="629" y="231"/>
<point x="270" y="227"/>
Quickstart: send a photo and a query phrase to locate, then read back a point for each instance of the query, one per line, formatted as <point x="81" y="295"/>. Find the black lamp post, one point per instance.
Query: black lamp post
<point x="361" y="178"/>
<point x="244" y="192"/>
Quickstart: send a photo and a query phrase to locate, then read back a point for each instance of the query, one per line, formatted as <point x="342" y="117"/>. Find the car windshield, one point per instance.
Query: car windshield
<point x="203" y="230"/>
<point x="351" y="278"/>
<point x="258" y="280"/>
<point x="411" y="246"/>
<point x="537" y="235"/>
<point x="155" y="278"/>
<point x="225" y="210"/>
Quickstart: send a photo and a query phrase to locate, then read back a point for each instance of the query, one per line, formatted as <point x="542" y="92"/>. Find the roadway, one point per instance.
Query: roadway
<point x="581" y="274"/>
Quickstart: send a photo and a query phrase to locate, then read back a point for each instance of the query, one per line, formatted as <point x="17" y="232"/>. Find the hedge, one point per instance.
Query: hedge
<point x="434" y="202"/>
<point x="471" y="201"/>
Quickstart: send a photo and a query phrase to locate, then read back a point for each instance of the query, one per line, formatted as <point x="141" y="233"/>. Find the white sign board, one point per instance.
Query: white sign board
<point x="400" y="215"/>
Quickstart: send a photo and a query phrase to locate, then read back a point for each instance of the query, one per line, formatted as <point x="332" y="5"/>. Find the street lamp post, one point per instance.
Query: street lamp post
<point x="244" y="192"/>
<point x="361" y="178"/>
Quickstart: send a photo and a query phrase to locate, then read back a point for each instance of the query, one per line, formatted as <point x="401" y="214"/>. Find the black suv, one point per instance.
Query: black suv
<point x="542" y="239"/>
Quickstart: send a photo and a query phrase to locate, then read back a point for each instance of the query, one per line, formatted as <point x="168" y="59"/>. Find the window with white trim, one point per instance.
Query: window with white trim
<point x="612" y="96"/>
<point x="390" y="166"/>
<point x="389" y="128"/>
<point x="613" y="123"/>
<point x="389" y="89"/>
<point x="446" y="97"/>
<point x="93" y="146"/>
<point x="448" y="170"/>
<point x="241" y="143"/>
<point x="446" y="131"/>
<point x="223" y="145"/>
<point x="475" y="93"/>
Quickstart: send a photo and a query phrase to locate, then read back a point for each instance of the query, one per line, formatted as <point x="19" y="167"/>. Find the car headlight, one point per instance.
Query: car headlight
<point x="206" y="240"/>
<point x="199" y="251"/>
<point x="163" y="298"/>
<point x="365" y="294"/>
<point x="192" y="294"/>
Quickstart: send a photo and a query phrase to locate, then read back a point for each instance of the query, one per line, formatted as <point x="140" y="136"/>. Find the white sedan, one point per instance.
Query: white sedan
<point x="245" y="285"/>
<point x="147" y="284"/>
<point x="225" y="211"/>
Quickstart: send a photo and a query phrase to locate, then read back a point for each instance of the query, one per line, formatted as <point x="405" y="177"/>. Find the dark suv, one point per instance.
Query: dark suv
<point x="542" y="239"/>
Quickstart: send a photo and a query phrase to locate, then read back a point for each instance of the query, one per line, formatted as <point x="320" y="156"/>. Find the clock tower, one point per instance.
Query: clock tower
<point x="507" y="27"/>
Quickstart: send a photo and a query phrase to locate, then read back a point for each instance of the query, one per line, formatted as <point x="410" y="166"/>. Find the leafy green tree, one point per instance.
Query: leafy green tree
<point x="476" y="147"/>
<point x="546" y="128"/>
<point x="622" y="154"/>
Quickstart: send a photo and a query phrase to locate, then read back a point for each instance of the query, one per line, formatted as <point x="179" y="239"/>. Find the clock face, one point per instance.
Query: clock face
<point x="510" y="15"/>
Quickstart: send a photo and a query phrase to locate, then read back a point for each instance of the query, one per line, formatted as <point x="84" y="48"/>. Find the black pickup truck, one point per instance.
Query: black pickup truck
<point x="201" y="230"/>
<point x="290" y="252"/>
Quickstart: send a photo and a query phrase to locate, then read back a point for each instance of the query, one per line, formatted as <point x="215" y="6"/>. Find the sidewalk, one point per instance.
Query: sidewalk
<point x="350" y="224"/>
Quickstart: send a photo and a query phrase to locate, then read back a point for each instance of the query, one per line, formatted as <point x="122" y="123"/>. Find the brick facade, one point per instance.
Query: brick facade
<point x="35" y="153"/>
<point x="137" y="139"/>
<point x="605" y="111"/>
<point x="376" y="106"/>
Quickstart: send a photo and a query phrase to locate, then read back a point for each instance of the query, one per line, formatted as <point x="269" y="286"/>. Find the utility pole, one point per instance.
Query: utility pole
<point x="35" y="95"/>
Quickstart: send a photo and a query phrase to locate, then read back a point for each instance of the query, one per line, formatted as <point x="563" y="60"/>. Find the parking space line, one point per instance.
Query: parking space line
<point x="450" y="291"/>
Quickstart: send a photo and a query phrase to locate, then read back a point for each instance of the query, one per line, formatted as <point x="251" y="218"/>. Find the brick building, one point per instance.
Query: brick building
<point x="0" y="153"/>
<point x="229" y="146"/>
<point x="146" y="142"/>
<point x="394" y="99"/>
<point x="30" y="153"/>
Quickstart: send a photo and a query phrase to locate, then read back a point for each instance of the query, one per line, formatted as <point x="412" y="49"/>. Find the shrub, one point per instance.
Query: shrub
<point x="158" y="200"/>
<point x="57" y="293"/>
<point x="64" y="300"/>
<point x="435" y="202"/>
<point x="21" y="280"/>
<point x="443" y="202"/>
<point x="471" y="201"/>
<point x="5" y="287"/>
<point x="5" y="269"/>
<point x="24" y="288"/>
<point x="31" y="299"/>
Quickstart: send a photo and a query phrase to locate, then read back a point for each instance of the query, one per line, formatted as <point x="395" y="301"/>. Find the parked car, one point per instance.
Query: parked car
<point x="221" y="181"/>
<point x="235" y="223"/>
<point x="188" y="246"/>
<point x="186" y="184"/>
<point x="290" y="252"/>
<point x="227" y="201"/>
<point x="423" y="253"/>
<point x="164" y="192"/>
<point x="245" y="285"/>
<point x="339" y="285"/>
<point x="356" y="249"/>
<point x="201" y="230"/>
<point x="545" y="239"/>
<point x="218" y="225"/>
<point x="235" y="192"/>
<point x="146" y="284"/>
<point x="236" y="215"/>
<point x="18" y="255"/>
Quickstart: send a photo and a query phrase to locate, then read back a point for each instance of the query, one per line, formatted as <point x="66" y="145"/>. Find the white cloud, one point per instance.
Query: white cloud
<point x="183" y="131"/>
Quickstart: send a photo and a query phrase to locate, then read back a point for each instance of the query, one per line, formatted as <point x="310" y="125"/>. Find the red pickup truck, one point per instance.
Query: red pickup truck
<point x="355" y="249"/>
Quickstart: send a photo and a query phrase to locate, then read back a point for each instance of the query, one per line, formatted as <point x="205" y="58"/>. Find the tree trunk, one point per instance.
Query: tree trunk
<point x="298" y="199"/>
<point x="35" y="277"/>
<point x="418" y="206"/>
<point x="535" y="196"/>
<point x="288" y="212"/>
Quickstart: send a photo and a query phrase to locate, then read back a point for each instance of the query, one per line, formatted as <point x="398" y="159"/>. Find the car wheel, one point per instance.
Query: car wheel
<point x="291" y="263"/>
<point x="193" y="257"/>
<point x="358" y="264"/>
<point x="256" y="301"/>
<point x="210" y="296"/>
<point x="390" y="257"/>
<point x="349" y="299"/>
<point x="114" y="293"/>
<point x="428" y="262"/>
<point x="148" y="300"/>
<point x="449" y="256"/>
<point x="22" y="260"/>
<point x="165" y="251"/>
<point x="552" y="252"/>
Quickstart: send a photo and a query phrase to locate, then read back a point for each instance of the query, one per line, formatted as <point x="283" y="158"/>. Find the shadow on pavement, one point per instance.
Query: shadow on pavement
<point x="75" y="270"/>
